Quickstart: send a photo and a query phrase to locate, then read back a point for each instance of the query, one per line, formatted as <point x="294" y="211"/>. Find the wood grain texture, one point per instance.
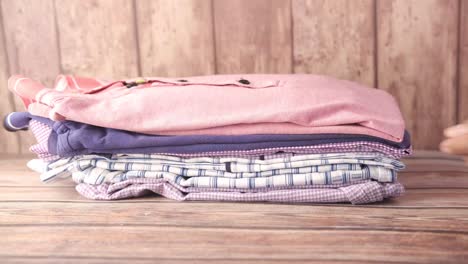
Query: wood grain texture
<point x="143" y="260"/>
<point x="253" y="36"/>
<point x="175" y="37"/>
<point x="214" y="243"/>
<point x="450" y="179"/>
<point x="417" y="43"/>
<point x="231" y="215"/>
<point x="31" y="44"/>
<point x="427" y="169"/>
<point x="335" y="38"/>
<point x="97" y="38"/>
<point x="463" y="64"/>
<point x="10" y="141"/>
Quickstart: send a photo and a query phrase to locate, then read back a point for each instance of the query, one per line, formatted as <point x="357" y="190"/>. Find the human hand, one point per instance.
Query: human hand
<point x="457" y="140"/>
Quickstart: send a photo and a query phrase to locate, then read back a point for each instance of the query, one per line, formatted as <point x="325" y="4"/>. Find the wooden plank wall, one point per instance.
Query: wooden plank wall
<point x="463" y="63"/>
<point x="419" y="66"/>
<point x="335" y="38"/>
<point x="416" y="50"/>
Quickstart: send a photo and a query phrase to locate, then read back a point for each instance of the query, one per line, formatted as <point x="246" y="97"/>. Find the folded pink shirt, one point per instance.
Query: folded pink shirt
<point x="218" y="104"/>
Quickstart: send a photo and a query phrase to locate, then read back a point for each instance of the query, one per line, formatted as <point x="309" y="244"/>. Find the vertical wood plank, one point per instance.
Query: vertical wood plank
<point x="417" y="43"/>
<point x="98" y="38"/>
<point x="9" y="141"/>
<point x="253" y="36"/>
<point x="31" y="45"/>
<point x="175" y="37"/>
<point x="463" y="57"/>
<point x="336" y="38"/>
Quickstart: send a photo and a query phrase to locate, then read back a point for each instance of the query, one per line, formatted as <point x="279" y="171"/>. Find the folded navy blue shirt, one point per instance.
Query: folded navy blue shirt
<point x="69" y="138"/>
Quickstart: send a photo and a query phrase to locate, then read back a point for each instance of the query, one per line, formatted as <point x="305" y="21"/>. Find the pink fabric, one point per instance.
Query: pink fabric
<point x="220" y="104"/>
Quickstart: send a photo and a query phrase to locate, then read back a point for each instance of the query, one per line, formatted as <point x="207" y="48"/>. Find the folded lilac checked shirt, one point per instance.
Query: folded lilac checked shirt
<point x="361" y="193"/>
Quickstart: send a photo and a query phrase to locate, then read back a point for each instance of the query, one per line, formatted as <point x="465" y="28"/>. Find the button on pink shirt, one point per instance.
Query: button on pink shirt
<point x="219" y="104"/>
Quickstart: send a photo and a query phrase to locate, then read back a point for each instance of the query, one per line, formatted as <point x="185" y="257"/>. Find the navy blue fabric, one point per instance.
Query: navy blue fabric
<point x="69" y="138"/>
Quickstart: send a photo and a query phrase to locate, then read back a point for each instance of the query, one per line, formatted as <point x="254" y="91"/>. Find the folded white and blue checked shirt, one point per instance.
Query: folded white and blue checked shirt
<point x="228" y="172"/>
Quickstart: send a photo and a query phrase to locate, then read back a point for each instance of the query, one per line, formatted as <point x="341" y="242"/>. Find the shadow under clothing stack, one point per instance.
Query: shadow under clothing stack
<point x="273" y="138"/>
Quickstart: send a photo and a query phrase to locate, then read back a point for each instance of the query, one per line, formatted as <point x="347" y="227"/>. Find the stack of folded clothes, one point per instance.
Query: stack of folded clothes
<point x="275" y="138"/>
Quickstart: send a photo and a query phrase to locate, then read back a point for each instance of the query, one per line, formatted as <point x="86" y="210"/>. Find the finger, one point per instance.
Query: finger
<point x="456" y="145"/>
<point x="455" y="131"/>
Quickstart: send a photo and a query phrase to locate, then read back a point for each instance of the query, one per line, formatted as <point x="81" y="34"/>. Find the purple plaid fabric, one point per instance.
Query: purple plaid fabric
<point x="362" y="193"/>
<point x="358" y="146"/>
<point x="41" y="132"/>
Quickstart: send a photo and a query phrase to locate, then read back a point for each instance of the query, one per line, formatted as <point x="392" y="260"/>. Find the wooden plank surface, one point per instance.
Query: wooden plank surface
<point x="253" y="36"/>
<point x="97" y="39"/>
<point x="31" y="45"/>
<point x="463" y="64"/>
<point x="428" y="169"/>
<point x="231" y="215"/>
<point x="417" y="59"/>
<point x="231" y="243"/>
<point x="335" y="37"/>
<point x="50" y="222"/>
<point x="106" y="260"/>
<point x="175" y="37"/>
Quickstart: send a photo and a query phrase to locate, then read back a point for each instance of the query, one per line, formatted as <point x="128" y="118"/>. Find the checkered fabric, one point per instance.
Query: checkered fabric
<point x="41" y="132"/>
<point x="229" y="172"/>
<point x="362" y="193"/>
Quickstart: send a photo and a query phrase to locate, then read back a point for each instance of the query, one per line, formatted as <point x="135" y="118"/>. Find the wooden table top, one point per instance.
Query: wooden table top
<point x="52" y="223"/>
